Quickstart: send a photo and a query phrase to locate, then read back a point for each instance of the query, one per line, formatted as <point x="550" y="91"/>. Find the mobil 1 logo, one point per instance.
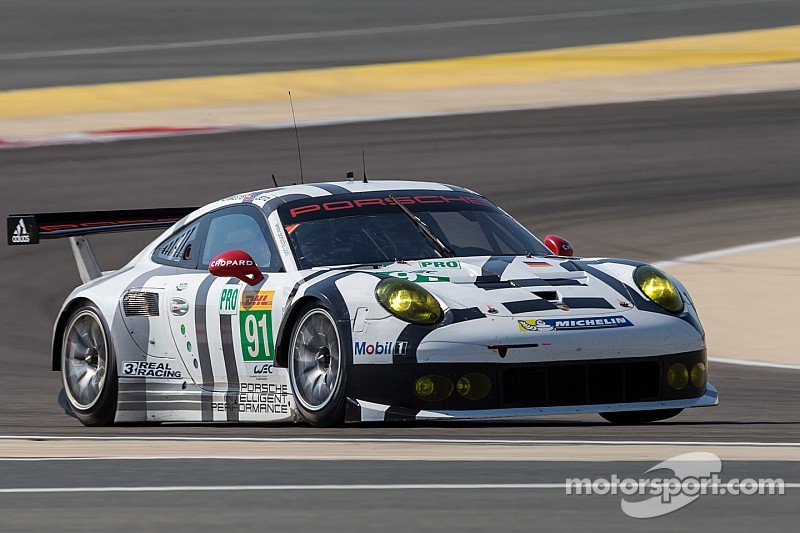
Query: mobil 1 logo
<point x="380" y="348"/>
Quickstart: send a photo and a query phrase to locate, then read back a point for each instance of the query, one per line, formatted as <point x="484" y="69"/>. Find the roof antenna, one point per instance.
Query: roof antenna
<point x="364" y="165"/>
<point x="274" y="181"/>
<point x="297" y="137"/>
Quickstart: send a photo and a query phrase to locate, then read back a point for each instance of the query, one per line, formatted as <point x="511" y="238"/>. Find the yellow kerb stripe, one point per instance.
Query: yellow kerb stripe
<point x="719" y="50"/>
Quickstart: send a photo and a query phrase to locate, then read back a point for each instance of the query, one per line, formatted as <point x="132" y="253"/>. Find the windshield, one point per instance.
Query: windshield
<point x="364" y="228"/>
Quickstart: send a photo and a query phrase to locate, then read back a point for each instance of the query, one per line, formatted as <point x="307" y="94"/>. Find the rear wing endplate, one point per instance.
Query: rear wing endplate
<point x="30" y="229"/>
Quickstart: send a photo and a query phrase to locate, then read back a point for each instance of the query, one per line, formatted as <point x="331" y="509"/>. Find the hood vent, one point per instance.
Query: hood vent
<point x="548" y="295"/>
<point x="137" y="303"/>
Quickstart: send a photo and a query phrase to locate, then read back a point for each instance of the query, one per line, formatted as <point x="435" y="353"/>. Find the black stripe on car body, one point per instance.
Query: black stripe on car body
<point x="154" y="406"/>
<point x="400" y="414"/>
<point x="203" y="354"/>
<point x="229" y="357"/>
<point x="570" y="266"/>
<point x="414" y="334"/>
<point x="297" y="286"/>
<point x="588" y="303"/>
<point x="456" y="188"/>
<point x="273" y="203"/>
<point x="529" y="306"/>
<point x="137" y="283"/>
<point x="608" y="279"/>
<point x="329" y="294"/>
<point x="491" y="283"/>
<point x="330" y="188"/>
<point x="632" y="295"/>
<point x="497" y="264"/>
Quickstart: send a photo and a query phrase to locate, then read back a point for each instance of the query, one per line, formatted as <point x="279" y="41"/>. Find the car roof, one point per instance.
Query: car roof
<point x="270" y="199"/>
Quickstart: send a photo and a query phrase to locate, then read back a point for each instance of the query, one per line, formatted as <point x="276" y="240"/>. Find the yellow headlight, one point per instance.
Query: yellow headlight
<point x="677" y="376"/>
<point x="474" y="386"/>
<point x="698" y="375"/>
<point x="433" y="388"/>
<point x="424" y="387"/>
<point x="407" y="300"/>
<point x="657" y="286"/>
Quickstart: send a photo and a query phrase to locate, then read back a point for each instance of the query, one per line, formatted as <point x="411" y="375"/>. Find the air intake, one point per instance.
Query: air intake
<point x="137" y="303"/>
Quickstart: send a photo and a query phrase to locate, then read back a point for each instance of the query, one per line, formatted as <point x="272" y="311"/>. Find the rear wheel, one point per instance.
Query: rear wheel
<point x="88" y="370"/>
<point x="631" y="418"/>
<point x="317" y="368"/>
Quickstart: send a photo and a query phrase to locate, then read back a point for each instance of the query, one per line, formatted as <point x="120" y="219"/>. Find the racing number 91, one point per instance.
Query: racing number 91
<point x="255" y="318"/>
<point x="255" y="332"/>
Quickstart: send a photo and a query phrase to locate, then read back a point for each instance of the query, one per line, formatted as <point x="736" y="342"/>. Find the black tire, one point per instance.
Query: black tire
<point x="317" y="366"/>
<point x="86" y="350"/>
<point x="632" y="418"/>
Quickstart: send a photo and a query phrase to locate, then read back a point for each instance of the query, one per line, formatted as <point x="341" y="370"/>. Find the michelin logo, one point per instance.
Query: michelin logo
<point x="534" y="325"/>
<point x="21" y="235"/>
<point x="539" y="324"/>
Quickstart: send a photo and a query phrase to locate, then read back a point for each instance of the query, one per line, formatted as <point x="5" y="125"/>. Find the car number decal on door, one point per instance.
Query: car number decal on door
<point x="255" y="323"/>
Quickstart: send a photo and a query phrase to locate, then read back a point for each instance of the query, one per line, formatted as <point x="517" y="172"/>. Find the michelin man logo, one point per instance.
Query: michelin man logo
<point x="535" y="325"/>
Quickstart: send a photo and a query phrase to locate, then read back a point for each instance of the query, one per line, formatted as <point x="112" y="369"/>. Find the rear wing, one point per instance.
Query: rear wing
<point x="31" y="228"/>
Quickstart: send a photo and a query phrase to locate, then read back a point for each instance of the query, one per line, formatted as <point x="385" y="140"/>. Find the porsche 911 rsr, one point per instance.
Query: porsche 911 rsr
<point x="390" y="300"/>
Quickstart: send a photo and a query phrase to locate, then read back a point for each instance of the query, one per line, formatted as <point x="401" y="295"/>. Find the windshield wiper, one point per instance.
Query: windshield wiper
<point x="374" y="265"/>
<point x="426" y="232"/>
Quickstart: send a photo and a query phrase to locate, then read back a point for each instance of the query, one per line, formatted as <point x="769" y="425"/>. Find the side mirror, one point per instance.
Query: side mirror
<point x="558" y="245"/>
<point x="236" y="264"/>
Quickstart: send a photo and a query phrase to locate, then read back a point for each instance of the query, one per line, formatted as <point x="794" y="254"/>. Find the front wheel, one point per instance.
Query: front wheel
<point x="88" y="370"/>
<point x="317" y="368"/>
<point x="632" y="418"/>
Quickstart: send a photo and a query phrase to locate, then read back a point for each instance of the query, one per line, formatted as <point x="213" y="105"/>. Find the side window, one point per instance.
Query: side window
<point x="181" y="249"/>
<point x="241" y="228"/>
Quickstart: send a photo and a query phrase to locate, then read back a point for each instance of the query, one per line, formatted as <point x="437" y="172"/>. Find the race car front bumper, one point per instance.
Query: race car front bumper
<point x="391" y="392"/>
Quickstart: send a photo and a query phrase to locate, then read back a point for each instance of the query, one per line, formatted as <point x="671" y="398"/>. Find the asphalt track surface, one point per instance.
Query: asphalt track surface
<point x="649" y="181"/>
<point x="48" y="42"/>
<point x="437" y="508"/>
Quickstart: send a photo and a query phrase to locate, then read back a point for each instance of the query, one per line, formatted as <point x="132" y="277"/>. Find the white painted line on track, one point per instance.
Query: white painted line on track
<point x="243" y="488"/>
<point x="356" y="32"/>
<point x="748" y="362"/>
<point x="227" y="488"/>
<point x="714" y="254"/>
<point x="399" y="440"/>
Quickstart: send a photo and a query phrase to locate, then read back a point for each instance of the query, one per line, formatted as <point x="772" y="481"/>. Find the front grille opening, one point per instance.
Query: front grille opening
<point x="566" y="385"/>
<point x="582" y="384"/>
<point x="642" y="380"/>
<point x="607" y="383"/>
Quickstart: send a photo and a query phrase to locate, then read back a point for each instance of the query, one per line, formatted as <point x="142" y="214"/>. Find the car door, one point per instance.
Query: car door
<point x="234" y="327"/>
<point x="184" y="294"/>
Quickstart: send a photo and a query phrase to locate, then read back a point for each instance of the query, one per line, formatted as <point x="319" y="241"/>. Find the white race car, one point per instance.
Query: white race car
<point x="355" y="301"/>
